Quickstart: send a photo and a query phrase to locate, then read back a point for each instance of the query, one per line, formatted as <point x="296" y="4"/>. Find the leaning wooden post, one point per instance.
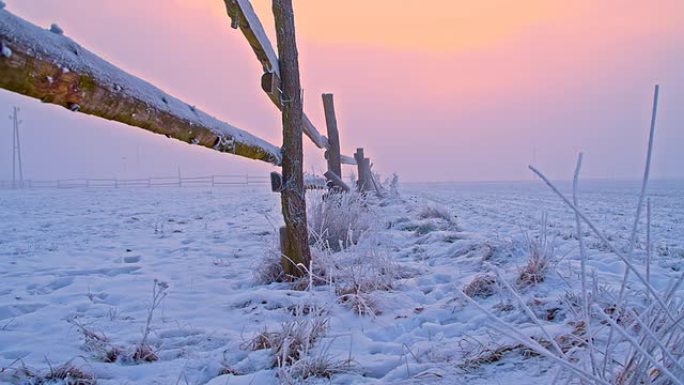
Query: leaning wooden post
<point x="360" y="175"/>
<point x="333" y="153"/>
<point x="295" y="246"/>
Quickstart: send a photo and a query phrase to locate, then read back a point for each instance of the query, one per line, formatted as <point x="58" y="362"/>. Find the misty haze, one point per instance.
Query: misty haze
<point x="341" y="192"/>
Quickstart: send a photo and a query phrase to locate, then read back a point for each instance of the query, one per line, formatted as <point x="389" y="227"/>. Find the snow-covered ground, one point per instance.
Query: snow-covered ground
<point x="90" y="257"/>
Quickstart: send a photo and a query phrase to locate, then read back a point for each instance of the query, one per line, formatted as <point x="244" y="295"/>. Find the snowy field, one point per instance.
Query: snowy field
<point x="76" y="263"/>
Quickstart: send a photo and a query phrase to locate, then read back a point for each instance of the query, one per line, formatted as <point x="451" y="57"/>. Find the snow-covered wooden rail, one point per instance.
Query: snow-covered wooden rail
<point x="47" y="65"/>
<point x="243" y="17"/>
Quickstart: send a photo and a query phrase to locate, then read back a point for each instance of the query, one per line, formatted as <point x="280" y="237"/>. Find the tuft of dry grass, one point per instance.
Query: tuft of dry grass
<point x="535" y="270"/>
<point x="434" y="211"/>
<point x="337" y="221"/>
<point x="292" y="347"/>
<point x="359" y="302"/>
<point x="102" y="349"/>
<point x="69" y="375"/>
<point x="98" y="344"/>
<point x="66" y="374"/>
<point x="357" y="274"/>
<point x="270" y="269"/>
<point x="293" y="341"/>
<point x="320" y="364"/>
<point x="144" y="353"/>
<point x="487" y="355"/>
<point x="541" y="253"/>
<point x="482" y="285"/>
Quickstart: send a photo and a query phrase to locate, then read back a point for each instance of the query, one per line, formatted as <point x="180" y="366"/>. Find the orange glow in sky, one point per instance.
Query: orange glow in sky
<point x="438" y="25"/>
<point x="491" y="84"/>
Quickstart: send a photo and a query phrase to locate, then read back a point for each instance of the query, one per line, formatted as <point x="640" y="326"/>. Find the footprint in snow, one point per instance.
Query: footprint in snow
<point x="12" y="311"/>
<point x="132" y="259"/>
<point x="51" y="287"/>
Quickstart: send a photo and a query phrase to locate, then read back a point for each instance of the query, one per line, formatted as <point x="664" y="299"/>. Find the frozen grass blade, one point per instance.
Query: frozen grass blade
<point x="513" y="333"/>
<point x="656" y="340"/>
<point x="605" y="241"/>
<point x="583" y="265"/>
<point x="648" y="242"/>
<point x="529" y="312"/>
<point x="642" y="194"/>
<point x="635" y="344"/>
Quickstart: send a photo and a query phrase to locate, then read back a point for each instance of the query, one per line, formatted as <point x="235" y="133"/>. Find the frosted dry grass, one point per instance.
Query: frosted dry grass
<point x="101" y="348"/>
<point x="68" y="374"/>
<point x="338" y="220"/>
<point x="294" y="339"/>
<point x="435" y="211"/>
<point x="345" y="255"/>
<point x="482" y="285"/>
<point x="357" y="272"/>
<point x="540" y="256"/>
<point x="318" y="363"/>
<point x="270" y="268"/>
<point x="293" y="347"/>
<point x="630" y="343"/>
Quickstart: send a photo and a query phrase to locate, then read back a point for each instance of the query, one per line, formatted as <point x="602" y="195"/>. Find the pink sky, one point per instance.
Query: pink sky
<point x="435" y="90"/>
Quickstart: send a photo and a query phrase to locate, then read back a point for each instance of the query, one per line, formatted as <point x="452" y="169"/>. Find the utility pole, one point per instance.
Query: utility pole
<point x="16" y="149"/>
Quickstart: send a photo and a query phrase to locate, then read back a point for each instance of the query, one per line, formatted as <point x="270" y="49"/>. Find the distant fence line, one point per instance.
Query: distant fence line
<point x="211" y="180"/>
<point x="310" y="182"/>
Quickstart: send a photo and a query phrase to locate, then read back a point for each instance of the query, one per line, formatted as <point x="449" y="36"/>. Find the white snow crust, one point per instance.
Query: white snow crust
<point x="92" y="254"/>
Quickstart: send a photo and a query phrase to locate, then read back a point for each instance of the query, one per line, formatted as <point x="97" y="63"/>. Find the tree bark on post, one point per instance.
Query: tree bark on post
<point x="296" y="245"/>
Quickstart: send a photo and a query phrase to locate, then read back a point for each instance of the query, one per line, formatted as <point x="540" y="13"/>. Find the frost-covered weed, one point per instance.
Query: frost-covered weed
<point x="97" y="344"/>
<point x="337" y="220"/>
<point x="293" y="341"/>
<point x="435" y="211"/>
<point x="143" y="351"/>
<point x="393" y="185"/>
<point x="66" y="374"/>
<point x="482" y="285"/>
<point x="318" y="363"/>
<point x="100" y="347"/>
<point x="357" y="273"/>
<point x="270" y="268"/>
<point x="540" y="255"/>
<point x="639" y="339"/>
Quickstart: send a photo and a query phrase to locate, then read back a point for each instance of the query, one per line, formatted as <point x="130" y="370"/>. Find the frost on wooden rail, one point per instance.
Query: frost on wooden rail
<point x="48" y="66"/>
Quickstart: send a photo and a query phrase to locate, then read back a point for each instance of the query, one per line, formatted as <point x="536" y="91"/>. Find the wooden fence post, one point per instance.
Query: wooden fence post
<point x="333" y="153"/>
<point x="296" y="234"/>
<point x="358" y="156"/>
<point x="367" y="176"/>
<point x="364" y="182"/>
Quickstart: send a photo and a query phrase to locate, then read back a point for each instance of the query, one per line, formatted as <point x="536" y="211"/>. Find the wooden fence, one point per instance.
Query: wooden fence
<point x="45" y="64"/>
<point x="310" y="182"/>
<point x="210" y="181"/>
